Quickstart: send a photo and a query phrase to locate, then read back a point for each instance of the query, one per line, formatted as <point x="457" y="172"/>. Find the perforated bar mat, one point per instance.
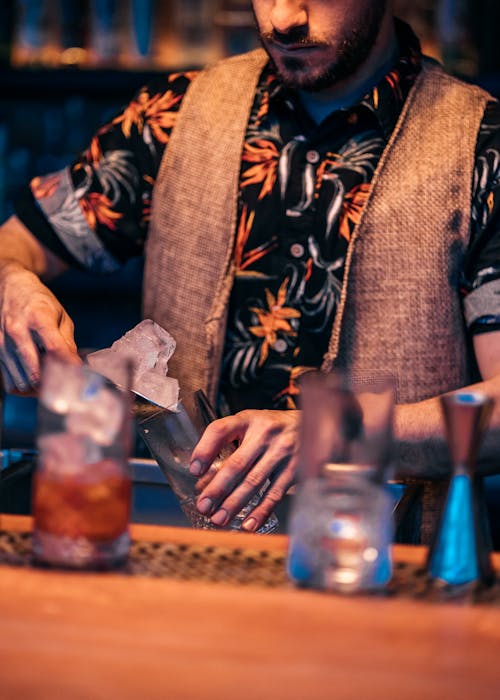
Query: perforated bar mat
<point x="242" y="566"/>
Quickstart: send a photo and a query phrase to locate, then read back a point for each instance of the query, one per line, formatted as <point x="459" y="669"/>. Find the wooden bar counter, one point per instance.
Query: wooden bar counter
<point x="107" y="635"/>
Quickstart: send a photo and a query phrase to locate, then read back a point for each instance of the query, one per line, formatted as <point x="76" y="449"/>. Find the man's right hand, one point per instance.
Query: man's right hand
<point x="32" y="321"/>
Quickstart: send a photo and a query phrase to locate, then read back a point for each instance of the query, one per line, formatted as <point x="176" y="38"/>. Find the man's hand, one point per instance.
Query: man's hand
<point x="31" y="321"/>
<point x="267" y="450"/>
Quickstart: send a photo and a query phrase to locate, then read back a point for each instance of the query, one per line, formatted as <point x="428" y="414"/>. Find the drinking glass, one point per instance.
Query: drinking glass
<point x="105" y="30"/>
<point x="82" y="485"/>
<point x="142" y="26"/>
<point x="341" y="515"/>
<point x="171" y="436"/>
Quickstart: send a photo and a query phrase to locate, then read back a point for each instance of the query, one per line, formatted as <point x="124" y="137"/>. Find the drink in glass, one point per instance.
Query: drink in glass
<point x="82" y="485"/>
<point x="171" y="436"/>
<point x="341" y="517"/>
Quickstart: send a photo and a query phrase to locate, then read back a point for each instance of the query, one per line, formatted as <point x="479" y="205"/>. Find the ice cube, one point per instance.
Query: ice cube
<point x="116" y="366"/>
<point x="150" y="348"/>
<point x="62" y="453"/>
<point x="100" y="417"/>
<point x="148" y="345"/>
<point x="163" y="391"/>
<point x="64" y="384"/>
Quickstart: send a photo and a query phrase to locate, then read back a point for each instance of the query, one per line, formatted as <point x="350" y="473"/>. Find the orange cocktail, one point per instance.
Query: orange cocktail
<point x="82" y="485"/>
<point x="82" y="512"/>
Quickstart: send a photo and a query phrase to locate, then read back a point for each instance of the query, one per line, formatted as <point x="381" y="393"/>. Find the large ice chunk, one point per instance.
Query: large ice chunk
<point x="161" y="390"/>
<point x="149" y="347"/>
<point x="99" y="418"/>
<point x="64" y="385"/>
<point x="86" y="402"/>
<point x="62" y="453"/>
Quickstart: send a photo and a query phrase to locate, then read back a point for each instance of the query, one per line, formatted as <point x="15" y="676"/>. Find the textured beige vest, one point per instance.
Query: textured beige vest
<point x="400" y="310"/>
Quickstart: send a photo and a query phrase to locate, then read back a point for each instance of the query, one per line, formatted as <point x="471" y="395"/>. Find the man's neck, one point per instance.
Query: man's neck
<point x="347" y="92"/>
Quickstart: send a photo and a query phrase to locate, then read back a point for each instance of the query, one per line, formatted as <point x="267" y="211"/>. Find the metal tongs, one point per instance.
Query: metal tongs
<point x="144" y="408"/>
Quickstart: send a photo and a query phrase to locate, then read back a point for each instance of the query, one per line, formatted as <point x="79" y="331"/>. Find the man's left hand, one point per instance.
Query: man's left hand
<point x="267" y="450"/>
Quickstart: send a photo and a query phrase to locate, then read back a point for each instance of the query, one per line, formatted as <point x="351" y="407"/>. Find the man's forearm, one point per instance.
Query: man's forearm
<point x="19" y="246"/>
<point x="31" y="318"/>
<point x="421" y="448"/>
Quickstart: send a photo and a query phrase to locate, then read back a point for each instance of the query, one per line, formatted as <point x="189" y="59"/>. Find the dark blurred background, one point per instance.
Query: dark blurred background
<point x="68" y="65"/>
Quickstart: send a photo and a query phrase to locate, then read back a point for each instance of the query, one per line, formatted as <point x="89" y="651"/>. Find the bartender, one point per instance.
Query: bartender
<point x="330" y="201"/>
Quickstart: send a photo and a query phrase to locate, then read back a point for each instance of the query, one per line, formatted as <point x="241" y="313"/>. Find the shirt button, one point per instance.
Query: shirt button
<point x="280" y="345"/>
<point x="297" y="250"/>
<point x="312" y="157"/>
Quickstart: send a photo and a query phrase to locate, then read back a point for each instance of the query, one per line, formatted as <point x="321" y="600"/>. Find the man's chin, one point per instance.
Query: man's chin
<point x="298" y="75"/>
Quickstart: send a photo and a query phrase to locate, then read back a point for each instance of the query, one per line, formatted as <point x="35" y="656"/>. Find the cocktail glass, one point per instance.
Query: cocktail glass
<point x="341" y="523"/>
<point x="82" y="485"/>
<point x="171" y="436"/>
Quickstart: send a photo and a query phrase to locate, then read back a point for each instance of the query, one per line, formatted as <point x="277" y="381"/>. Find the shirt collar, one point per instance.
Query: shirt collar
<point x="385" y="100"/>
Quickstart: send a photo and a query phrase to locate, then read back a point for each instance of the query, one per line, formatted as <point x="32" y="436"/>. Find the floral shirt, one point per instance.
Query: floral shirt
<point x="302" y="189"/>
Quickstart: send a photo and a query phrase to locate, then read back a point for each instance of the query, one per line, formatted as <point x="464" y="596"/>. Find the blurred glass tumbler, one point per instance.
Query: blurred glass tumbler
<point x="171" y="436"/>
<point x="341" y="517"/>
<point x="82" y="485"/>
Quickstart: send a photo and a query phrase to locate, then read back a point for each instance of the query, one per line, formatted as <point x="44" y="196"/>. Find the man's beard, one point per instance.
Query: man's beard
<point x="352" y="51"/>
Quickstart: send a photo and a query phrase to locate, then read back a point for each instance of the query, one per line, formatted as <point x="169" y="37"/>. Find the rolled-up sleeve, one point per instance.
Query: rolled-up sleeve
<point x="482" y="308"/>
<point x="94" y="214"/>
<point x="481" y="278"/>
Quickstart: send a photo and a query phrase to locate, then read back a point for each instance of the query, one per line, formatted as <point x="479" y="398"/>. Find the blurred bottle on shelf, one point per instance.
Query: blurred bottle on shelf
<point x="485" y="20"/>
<point x="48" y="32"/>
<point x="7" y="15"/>
<point x="142" y="16"/>
<point x="3" y="191"/>
<point x="31" y="32"/>
<point x="420" y="15"/>
<point x="104" y="32"/>
<point x="124" y="34"/>
<point x="193" y="32"/>
<point x="235" y="27"/>
<point x="73" y="32"/>
<point x="453" y="28"/>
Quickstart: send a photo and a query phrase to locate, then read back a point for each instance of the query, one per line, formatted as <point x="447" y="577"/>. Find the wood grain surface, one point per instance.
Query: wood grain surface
<point x="69" y="635"/>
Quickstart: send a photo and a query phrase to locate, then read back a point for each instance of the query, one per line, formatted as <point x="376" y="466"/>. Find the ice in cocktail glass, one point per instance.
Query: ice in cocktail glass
<point x="340" y="523"/>
<point x="82" y="485"/>
<point x="171" y="436"/>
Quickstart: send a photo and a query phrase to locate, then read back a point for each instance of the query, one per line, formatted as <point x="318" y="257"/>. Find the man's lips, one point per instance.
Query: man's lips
<point x="295" y="48"/>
